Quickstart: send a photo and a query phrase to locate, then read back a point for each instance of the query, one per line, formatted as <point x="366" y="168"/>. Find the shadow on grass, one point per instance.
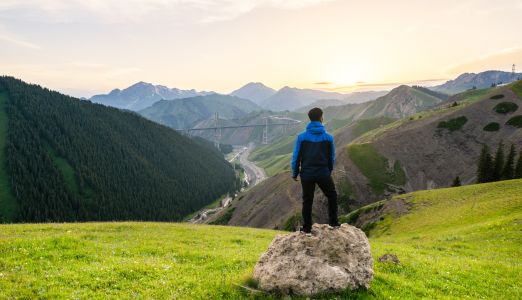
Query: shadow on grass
<point x="249" y="289"/>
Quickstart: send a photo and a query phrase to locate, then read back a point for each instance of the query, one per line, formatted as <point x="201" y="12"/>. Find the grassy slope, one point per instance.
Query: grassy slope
<point x="517" y="88"/>
<point x="375" y="167"/>
<point x="7" y="202"/>
<point x="124" y="260"/>
<point x="454" y="243"/>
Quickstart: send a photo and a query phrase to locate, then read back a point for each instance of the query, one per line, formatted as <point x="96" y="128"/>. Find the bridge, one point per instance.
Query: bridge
<point x="283" y="121"/>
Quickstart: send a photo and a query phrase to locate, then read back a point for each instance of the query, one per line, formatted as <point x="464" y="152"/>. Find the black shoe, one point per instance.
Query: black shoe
<point x="335" y="225"/>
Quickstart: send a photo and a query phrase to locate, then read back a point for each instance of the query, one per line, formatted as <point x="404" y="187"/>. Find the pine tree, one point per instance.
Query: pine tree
<point x="498" y="164"/>
<point x="509" y="168"/>
<point x="518" y="169"/>
<point x="456" y="182"/>
<point x="485" y="166"/>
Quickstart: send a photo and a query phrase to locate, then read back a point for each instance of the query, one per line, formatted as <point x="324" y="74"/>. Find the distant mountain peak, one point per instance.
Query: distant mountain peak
<point x="254" y="91"/>
<point x="143" y="94"/>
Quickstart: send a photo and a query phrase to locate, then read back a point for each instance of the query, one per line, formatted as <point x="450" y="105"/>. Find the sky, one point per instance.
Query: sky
<point x="87" y="47"/>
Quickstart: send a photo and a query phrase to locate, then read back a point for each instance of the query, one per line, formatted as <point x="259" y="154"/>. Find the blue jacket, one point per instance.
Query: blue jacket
<point x="314" y="153"/>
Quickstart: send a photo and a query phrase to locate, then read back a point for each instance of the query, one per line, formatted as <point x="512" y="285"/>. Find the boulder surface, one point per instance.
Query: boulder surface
<point x="327" y="260"/>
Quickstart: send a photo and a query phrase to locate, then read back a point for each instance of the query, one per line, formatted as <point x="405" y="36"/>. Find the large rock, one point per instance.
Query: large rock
<point x="328" y="260"/>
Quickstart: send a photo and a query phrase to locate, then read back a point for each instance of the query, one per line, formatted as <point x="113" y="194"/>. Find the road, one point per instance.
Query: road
<point x="253" y="176"/>
<point x="254" y="173"/>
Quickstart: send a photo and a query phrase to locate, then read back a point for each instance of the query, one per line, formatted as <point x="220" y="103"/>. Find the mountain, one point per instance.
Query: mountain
<point x="141" y="95"/>
<point x="288" y="98"/>
<point x="379" y="157"/>
<point x="481" y="80"/>
<point x="254" y="91"/>
<point x="431" y="149"/>
<point x="400" y="102"/>
<point x="185" y="113"/>
<point x="65" y="159"/>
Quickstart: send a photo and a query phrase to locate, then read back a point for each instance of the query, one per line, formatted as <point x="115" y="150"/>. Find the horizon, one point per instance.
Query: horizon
<point x="84" y="48"/>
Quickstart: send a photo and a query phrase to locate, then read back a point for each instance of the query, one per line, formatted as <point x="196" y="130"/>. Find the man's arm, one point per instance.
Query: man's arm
<point x="296" y="158"/>
<point x="331" y="160"/>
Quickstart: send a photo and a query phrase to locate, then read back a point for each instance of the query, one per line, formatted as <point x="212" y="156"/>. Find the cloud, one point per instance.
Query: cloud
<point x="499" y="60"/>
<point x="323" y="83"/>
<point x="9" y="38"/>
<point x="75" y="78"/>
<point x="123" y="11"/>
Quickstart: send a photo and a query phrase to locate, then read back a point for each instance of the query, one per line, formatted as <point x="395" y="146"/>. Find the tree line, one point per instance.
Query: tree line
<point x="123" y="167"/>
<point x="499" y="166"/>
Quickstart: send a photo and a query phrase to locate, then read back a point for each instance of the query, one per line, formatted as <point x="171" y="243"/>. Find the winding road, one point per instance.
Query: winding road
<point x="253" y="176"/>
<point x="253" y="173"/>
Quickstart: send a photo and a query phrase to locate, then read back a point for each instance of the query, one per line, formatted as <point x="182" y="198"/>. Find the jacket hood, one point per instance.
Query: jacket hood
<point x="315" y="127"/>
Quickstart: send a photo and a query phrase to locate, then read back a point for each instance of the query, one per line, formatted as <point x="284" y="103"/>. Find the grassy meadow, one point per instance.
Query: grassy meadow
<point x="453" y="243"/>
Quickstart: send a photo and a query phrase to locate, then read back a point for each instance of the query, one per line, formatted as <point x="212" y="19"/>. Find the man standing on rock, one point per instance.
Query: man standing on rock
<point x="313" y="160"/>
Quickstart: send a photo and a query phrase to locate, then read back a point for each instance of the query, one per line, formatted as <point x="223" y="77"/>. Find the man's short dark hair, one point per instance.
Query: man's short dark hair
<point x="315" y="114"/>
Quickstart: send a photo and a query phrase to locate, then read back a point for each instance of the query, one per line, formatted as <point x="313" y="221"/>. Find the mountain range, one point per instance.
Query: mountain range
<point x="141" y="95"/>
<point x="481" y="80"/>
<point x="185" y="113"/>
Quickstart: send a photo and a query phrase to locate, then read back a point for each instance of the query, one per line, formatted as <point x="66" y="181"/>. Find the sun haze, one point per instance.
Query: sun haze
<point x="92" y="46"/>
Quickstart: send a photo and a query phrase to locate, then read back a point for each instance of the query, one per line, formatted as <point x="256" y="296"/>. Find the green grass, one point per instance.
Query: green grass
<point x="7" y="201"/>
<point x="127" y="260"/>
<point x="375" y="167"/>
<point x="472" y="95"/>
<point x="282" y="145"/>
<point x="505" y="107"/>
<point x="276" y="164"/>
<point x="493" y="126"/>
<point x="517" y="88"/>
<point x="453" y="243"/>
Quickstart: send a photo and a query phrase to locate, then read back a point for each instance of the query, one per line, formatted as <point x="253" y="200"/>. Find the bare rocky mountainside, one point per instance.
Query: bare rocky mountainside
<point x="424" y="150"/>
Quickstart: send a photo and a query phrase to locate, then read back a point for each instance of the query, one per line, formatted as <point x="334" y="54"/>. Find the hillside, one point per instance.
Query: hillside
<point x="481" y="80"/>
<point x="185" y="113"/>
<point x="141" y="95"/>
<point x="65" y="159"/>
<point x="452" y="243"/>
<point x="431" y="149"/>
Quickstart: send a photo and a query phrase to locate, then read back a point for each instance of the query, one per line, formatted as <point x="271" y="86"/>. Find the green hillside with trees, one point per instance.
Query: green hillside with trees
<point x="64" y="159"/>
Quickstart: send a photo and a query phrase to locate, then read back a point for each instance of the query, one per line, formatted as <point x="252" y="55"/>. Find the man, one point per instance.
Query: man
<point x="313" y="160"/>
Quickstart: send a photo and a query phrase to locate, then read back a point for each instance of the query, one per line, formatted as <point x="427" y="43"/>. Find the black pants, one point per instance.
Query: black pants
<point x="326" y="185"/>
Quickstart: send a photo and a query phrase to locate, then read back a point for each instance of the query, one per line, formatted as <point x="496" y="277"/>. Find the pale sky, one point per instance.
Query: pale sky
<point x="85" y="47"/>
